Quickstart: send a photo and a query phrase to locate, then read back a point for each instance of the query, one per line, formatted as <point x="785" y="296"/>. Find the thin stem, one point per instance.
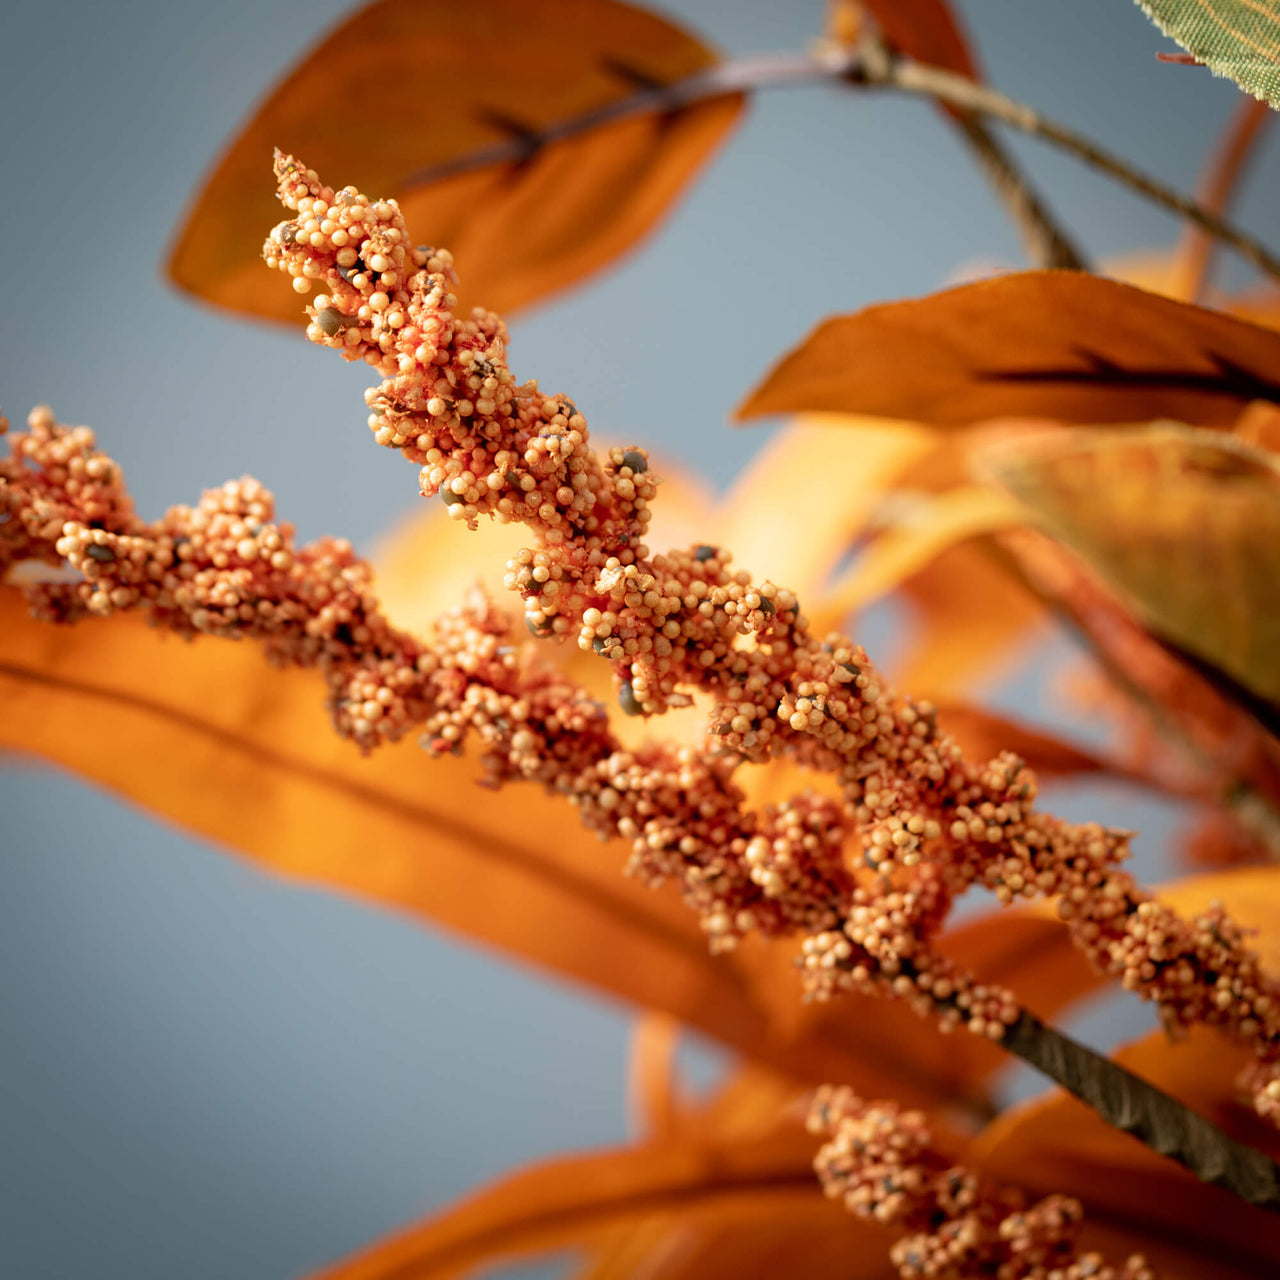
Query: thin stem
<point x="1045" y="243"/>
<point x="959" y="91"/>
<point x="1227" y="165"/>
<point x="1154" y="1117"/>
<point x="870" y="66"/>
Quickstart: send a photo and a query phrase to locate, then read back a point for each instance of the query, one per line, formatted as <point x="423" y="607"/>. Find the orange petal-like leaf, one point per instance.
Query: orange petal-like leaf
<point x="653" y="1088"/>
<point x="208" y="735"/>
<point x="970" y="617"/>
<point x="1050" y="344"/>
<point x="926" y="30"/>
<point x="571" y="1202"/>
<point x="1184" y="524"/>
<point x="844" y="476"/>
<point x="925" y="527"/>
<point x="450" y="81"/>
<point x="984" y="734"/>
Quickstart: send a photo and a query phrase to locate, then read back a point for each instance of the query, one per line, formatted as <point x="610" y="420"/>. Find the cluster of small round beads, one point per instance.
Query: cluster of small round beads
<point x="883" y="1164"/>
<point x="868" y="878"/>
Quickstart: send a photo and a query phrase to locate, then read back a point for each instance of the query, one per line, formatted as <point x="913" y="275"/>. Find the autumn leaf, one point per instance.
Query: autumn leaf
<point x="1045" y="344"/>
<point x="926" y="30"/>
<point x="1184" y="524"/>
<point x="721" y="1190"/>
<point x="208" y="735"/>
<point x="1236" y="38"/>
<point x="451" y="81"/>
<point x="660" y="1203"/>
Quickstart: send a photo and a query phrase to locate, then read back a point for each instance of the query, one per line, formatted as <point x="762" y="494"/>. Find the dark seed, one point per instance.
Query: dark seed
<point x="451" y="499"/>
<point x="330" y="321"/>
<point x="542" y="628"/>
<point x="636" y="460"/>
<point x="852" y="668"/>
<point x="289" y="233"/>
<point x="601" y="643"/>
<point x="766" y="606"/>
<point x="702" y="553"/>
<point x="103" y="555"/>
<point x="628" y="701"/>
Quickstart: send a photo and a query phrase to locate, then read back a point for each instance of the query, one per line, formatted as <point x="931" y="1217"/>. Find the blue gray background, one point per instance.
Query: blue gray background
<point x="206" y="1072"/>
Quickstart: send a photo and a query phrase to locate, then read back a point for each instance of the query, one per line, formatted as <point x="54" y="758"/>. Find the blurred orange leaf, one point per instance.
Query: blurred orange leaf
<point x="970" y="616"/>
<point x="650" y="1204"/>
<point x="924" y="526"/>
<point x="926" y="30"/>
<point x="983" y="735"/>
<point x="1054" y="345"/>
<point x="208" y="735"/>
<point x="450" y="80"/>
<point x="1184" y="524"/>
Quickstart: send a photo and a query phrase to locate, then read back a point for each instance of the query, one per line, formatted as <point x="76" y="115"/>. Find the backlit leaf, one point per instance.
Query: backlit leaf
<point x="1184" y="524"/>
<point x="983" y="735"/>
<point x="1236" y="38"/>
<point x="926" y="30"/>
<point x="450" y="80"/>
<point x="209" y="736"/>
<point x="923" y="527"/>
<point x="970" y="618"/>
<point x="570" y="1202"/>
<point x="1055" y="345"/>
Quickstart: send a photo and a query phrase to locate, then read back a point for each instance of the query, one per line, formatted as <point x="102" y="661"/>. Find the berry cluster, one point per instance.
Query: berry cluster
<point x="868" y="878"/>
<point x="883" y="1164"/>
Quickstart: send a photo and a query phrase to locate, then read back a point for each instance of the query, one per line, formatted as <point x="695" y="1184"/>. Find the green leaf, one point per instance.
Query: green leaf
<point x="1239" y="39"/>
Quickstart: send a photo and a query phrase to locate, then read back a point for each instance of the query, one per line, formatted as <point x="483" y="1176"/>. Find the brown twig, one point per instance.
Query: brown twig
<point x="1227" y="165"/>
<point x="1162" y="1122"/>
<point x="869" y="65"/>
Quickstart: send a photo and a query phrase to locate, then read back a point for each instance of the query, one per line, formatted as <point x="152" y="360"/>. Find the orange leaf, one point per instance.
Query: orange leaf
<point x="970" y="617"/>
<point x="450" y="81"/>
<point x="844" y="476"/>
<point x="571" y="1202"/>
<point x="1058" y="345"/>
<point x="983" y="735"/>
<point x="926" y="526"/>
<point x="653" y="1089"/>
<point x="208" y="735"/>
<point x="926" y="30"/>
<point x="1134" y="1198"/>
<point x="1184" y="524"/>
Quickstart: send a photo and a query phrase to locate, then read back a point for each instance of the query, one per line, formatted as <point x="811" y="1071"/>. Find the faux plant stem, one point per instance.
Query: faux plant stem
<point x="871" y="65"/>
<point x="1154" y="1117"/>
<point x="1046" y="245"/>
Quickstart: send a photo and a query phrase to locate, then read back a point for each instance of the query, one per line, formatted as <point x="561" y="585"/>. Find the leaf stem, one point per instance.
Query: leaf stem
<point x="1128" y="1102"/>
<point x="1045" y="243"/>
<point x="959" y="91"/>
<point x="872" y="65"/>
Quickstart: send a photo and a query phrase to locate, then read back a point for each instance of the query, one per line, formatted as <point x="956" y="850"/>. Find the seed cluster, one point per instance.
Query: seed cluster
<point x="867" y="877"/>
<point x="883" y="1164"/>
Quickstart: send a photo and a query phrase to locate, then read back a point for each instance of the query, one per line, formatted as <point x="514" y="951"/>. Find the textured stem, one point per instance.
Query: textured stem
<point x="871" y="65"/>
<point x="1045" y="243"/>
<point x="1229" y="162"/>
<point x="968" y="95"/>
<point x="1162" y="1122"/>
